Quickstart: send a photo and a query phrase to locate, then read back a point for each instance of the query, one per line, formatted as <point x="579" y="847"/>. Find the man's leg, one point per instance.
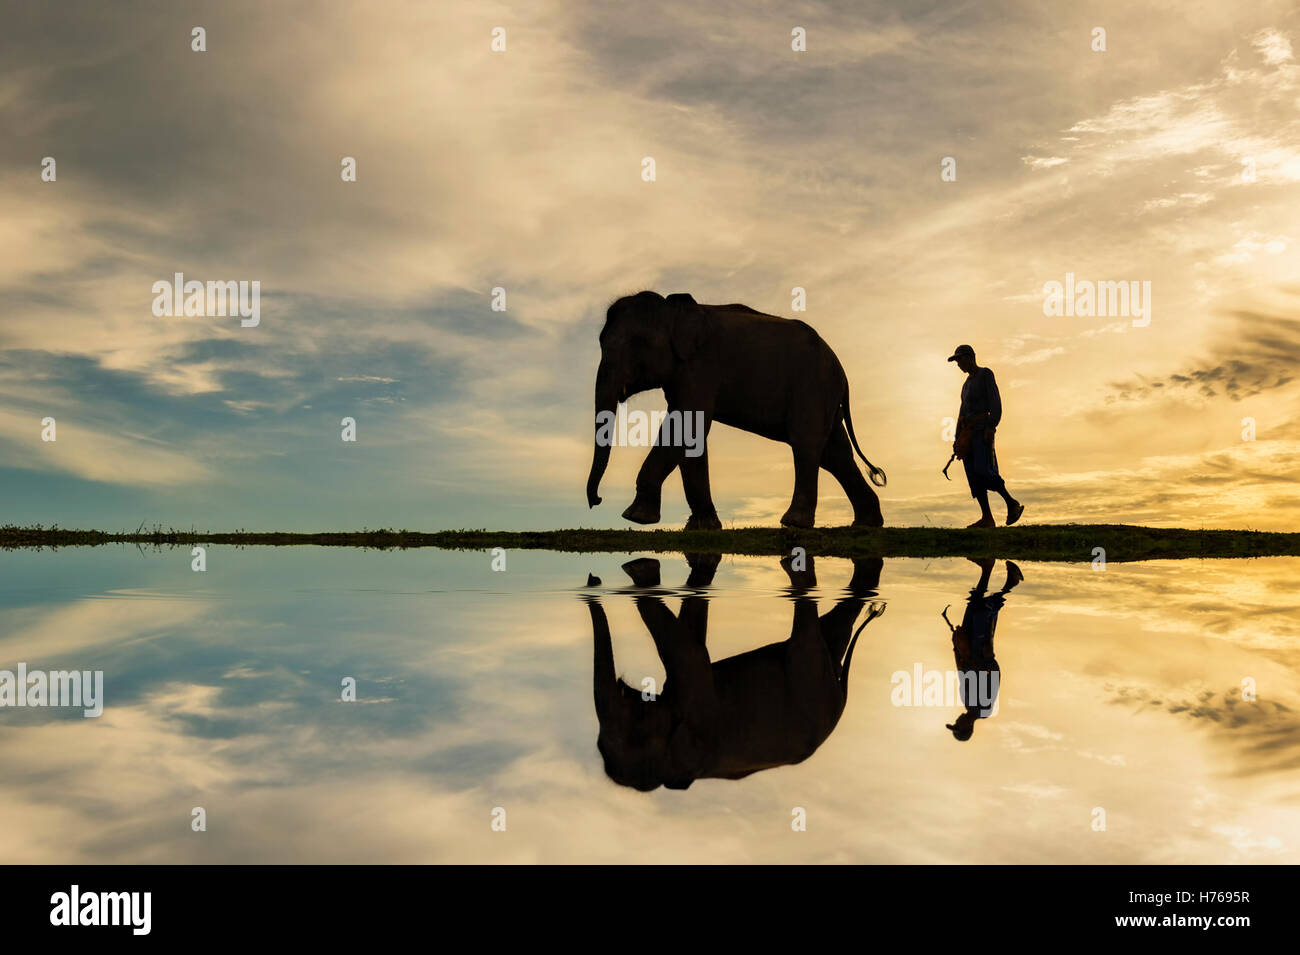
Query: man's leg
<point x="1000" y="486"/>
<point x="977" y="476"/>
<point x="986" y="566"/>
<point x="1014" y="507"/>
<point x="994" y="482"/>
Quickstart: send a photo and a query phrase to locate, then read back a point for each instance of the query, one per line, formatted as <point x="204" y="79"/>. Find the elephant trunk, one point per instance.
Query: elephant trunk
<point x="604" y="677"/>
<point x="606" y="401"/>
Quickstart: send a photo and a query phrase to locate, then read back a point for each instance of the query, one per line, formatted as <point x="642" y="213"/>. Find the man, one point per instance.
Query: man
<point x="981" y="411"/>
<point x="978" y="672"/>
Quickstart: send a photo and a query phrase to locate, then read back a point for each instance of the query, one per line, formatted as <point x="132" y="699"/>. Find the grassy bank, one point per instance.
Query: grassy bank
<point x="1069" y="542"/>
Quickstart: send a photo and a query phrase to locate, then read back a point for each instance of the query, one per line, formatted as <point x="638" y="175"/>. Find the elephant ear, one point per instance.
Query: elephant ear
<point x="687" y="324"/>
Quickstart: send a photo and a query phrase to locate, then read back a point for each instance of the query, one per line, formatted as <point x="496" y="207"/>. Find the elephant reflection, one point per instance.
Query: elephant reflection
<point x="772" y="706"/>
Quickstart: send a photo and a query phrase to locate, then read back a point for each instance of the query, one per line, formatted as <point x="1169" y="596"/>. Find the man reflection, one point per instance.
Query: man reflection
<point x="978" y="673"/>
<point x="772" y="706"/>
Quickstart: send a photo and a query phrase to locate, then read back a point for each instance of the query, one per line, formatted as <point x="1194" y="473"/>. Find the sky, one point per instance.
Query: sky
<point x="1170" y="157"/>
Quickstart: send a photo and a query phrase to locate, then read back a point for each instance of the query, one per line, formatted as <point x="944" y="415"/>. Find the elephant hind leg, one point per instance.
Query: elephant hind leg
<point x="803" y="506"/>
<point x="837" y="458"/>
<point x="837" y="630"/>
<point x="695" y="482"/>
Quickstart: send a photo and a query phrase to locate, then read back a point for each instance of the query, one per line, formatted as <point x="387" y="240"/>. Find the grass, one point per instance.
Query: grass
<point x="1059" y="542"/>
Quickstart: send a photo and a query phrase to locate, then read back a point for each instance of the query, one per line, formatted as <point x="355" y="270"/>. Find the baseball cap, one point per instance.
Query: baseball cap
<point x="962" y="350"/>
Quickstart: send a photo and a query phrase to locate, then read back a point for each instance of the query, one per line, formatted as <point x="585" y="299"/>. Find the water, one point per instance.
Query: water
<point x="1119" y="704"/>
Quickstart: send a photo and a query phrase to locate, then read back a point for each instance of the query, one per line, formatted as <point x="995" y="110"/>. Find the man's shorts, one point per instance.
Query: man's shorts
<point x="982" y="466"/>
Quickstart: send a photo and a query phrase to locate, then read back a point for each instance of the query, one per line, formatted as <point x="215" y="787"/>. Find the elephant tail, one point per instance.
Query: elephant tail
<point x="876" y="474"/>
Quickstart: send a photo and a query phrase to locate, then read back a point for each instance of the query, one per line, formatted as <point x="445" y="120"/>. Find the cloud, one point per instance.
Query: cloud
<point x="1041" y="354"/>
<point x="522" y="171"/>
<point x="1257" y="354"/>
<point x="1273" y="46"/>
<point x="1263" y="735"/>
<point x="96" y="455"/>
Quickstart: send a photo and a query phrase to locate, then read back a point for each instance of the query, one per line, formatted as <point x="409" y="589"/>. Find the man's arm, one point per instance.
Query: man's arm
<point x="994" y="400"/>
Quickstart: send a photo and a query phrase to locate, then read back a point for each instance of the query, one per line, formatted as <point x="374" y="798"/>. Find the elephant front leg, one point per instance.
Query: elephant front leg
<point x="679" y="430"/>
<point x="695" y="482"/>
<point x="659" y="463"/>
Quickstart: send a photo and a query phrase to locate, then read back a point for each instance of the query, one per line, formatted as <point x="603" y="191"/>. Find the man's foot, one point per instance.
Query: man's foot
<point x="1014" y="510"/>
<point x="1014" y="576"/>
<point x="983" y="522"/>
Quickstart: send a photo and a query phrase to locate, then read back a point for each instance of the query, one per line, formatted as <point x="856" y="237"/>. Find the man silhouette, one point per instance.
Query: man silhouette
<point x="972" y="647"/>
<point x="978" y="419"/>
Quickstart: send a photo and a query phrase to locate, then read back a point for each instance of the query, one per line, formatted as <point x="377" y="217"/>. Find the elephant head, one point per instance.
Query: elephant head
<point x="645" y="341"/>
<point x="642" y="745"/>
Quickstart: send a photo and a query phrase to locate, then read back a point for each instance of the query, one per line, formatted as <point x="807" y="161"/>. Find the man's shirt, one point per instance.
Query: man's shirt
<point x="979" y="393"/>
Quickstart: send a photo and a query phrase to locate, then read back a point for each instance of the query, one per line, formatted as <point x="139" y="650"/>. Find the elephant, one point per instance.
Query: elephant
<point x="770" y="376"/>
<point x="772" y="706"/>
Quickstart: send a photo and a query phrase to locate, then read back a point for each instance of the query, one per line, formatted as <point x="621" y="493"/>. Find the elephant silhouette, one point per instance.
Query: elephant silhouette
<point x="770" y="376"/>
<point x="771" y="706"/>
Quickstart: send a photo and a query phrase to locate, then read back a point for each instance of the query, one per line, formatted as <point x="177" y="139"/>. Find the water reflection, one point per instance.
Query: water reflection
<point x="1165" y="693"/>
<point x="978" y="673"/>
<point x="770" y="706"/>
